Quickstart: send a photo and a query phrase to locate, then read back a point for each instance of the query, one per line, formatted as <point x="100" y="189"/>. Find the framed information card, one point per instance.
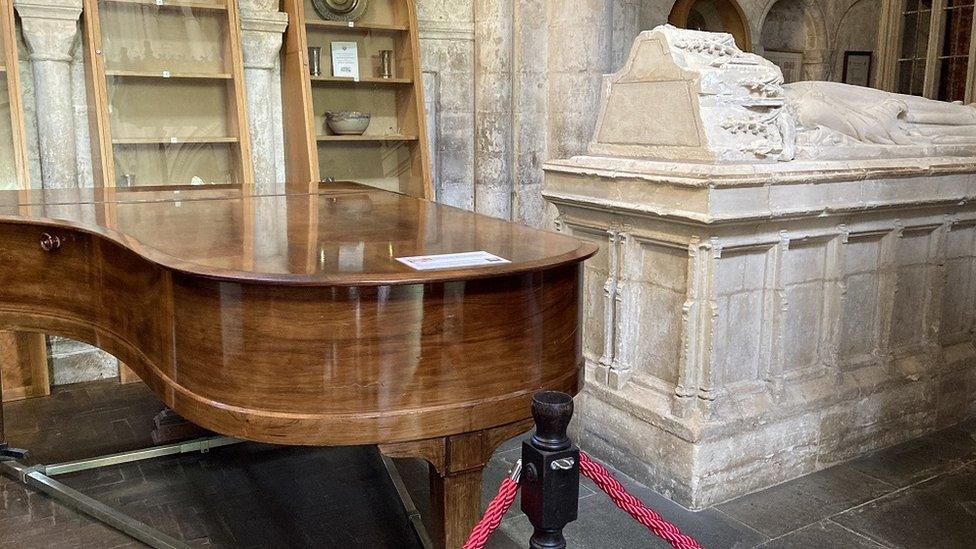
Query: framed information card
<point x="345" y="60"/>
<point x="857" y="68"/>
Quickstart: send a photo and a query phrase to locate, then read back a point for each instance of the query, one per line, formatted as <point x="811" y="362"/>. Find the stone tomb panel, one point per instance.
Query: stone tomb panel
<point x="959" y="299"/>
<point x="860" y="333"/>
<point x="738" y="352"/>
<point x="621" y="126"/>
<point x="911" y="288"/>
<point x="662" y="284"/>
<point x="596" y="272"/>
<point x="803" y="291"/>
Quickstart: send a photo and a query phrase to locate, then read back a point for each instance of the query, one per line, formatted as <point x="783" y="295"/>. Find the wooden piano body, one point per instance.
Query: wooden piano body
<point x="287" y="318"/>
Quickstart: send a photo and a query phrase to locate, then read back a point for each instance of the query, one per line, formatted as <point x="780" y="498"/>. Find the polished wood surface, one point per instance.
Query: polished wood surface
<point x="287" y="318"/>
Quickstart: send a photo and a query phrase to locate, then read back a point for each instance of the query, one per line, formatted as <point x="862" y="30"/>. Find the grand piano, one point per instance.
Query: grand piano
<point x="289" y="319"/>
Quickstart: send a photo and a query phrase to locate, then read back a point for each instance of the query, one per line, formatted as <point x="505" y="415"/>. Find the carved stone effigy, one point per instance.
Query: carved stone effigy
<point x="783" y="284"/>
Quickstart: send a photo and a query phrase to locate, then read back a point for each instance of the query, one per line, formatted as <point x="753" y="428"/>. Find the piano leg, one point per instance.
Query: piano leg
<point x="455" y="505"/>
<point x="456" y="466"/>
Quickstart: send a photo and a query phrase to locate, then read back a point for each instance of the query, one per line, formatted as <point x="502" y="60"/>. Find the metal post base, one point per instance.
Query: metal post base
<point x="39" y="477"/>
<point x="12" y="453"/>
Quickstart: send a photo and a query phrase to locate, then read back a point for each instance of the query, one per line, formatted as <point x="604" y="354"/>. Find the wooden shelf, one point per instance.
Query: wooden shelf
<point x="185" y="65"/>
<point x="393" y="154"/>
<point x="365" y="80"/>
<point x="169" y="141"/>
<point x="172" y="75"/>
<point x="194" y="4"/>
<point x="343" y="25"/>
<point x="347" y="138"/>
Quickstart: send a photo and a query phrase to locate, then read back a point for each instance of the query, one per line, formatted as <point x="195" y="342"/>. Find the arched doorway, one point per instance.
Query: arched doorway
<point x="795" y="38"/>
<point x="712" y="16"/>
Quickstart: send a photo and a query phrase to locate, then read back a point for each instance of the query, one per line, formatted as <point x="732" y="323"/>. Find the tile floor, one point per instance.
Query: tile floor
<point x="920" y="494"/>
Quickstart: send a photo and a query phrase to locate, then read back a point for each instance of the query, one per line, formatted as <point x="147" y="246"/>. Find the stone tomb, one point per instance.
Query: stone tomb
<point x="787" y="276"/>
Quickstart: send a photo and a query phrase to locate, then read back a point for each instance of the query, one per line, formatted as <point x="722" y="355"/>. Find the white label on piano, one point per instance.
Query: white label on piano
<point x="451" y="261"/>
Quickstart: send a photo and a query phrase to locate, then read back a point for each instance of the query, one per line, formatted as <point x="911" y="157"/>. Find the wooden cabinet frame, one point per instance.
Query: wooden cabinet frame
<point x="103" y="144"/>
<point x="304" y="136"/>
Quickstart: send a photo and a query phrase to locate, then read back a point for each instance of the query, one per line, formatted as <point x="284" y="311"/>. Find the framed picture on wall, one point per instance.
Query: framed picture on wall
<point x="857" y="68"/>
<point x="790" y="62"/>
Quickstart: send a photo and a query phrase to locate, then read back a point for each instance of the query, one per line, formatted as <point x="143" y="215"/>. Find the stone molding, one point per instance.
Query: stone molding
<point x="50" y="28"/>
<point x="262" y="37"/>
<point x="446" y="30"/>
<point x="712" y="194"/>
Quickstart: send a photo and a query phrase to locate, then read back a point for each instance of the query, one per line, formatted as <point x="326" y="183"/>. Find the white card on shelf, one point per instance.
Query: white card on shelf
<point x="452" y="261"/>
<point x="167" y="74"/>
<point x="345" y="60"/>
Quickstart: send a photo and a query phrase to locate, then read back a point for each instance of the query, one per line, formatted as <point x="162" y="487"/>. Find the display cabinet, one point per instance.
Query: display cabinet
<point x="392" y="151"/>
<point x="23" y="356"/>
<point x="166" y="93"/>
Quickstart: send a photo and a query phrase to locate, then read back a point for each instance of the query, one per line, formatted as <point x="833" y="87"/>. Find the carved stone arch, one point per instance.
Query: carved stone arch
<point x="811" y="23"/>
<point x="729" y="18"/>
<point x="854" y="32"/>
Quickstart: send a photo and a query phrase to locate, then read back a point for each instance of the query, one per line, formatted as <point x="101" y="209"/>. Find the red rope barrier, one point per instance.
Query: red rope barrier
<point x="493" y="515"/>
<point x="599" y="475"/>
<point x="633" y="506"/>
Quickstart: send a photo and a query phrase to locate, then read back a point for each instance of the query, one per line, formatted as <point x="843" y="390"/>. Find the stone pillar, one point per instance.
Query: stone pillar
<point x="50" y="28"/>
<point x="530" y="104"/>
<point x="579" y="56"/>
<point x="493" y="107"/>
<point x="262" y="26"/>
<point x="447" y="59"/>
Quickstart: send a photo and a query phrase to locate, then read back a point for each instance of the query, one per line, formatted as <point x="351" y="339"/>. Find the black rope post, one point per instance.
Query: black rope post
<point x="550" y="471"/>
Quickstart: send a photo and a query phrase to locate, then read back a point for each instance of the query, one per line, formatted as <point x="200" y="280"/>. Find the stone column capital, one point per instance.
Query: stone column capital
<point x="50" y="27"/>
<point x="261" y="37"/>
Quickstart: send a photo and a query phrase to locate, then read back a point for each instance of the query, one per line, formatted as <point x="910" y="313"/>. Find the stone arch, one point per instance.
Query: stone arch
<point x="857" y="31"/>
<point x="713" y="15"/>
<point x="796" y="26"/>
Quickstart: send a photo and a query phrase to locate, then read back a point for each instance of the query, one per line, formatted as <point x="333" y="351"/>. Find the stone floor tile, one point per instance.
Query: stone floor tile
<point x="920" y="459"/>
<point x="822" y="535"/>
<point x="940" y="512"/>
<point x="798" y="503"/>
<point x="500" y="540"/>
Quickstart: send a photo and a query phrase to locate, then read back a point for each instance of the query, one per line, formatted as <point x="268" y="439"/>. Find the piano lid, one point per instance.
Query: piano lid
<point x="346" y="234"/>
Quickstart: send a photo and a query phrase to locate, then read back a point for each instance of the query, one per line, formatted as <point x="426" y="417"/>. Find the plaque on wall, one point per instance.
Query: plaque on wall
<point x="857" y="68"/>
<point x="790" y="62"/>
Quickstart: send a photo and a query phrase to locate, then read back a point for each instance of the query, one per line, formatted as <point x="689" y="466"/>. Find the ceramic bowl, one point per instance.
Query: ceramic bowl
<point x="347" y="122"/>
